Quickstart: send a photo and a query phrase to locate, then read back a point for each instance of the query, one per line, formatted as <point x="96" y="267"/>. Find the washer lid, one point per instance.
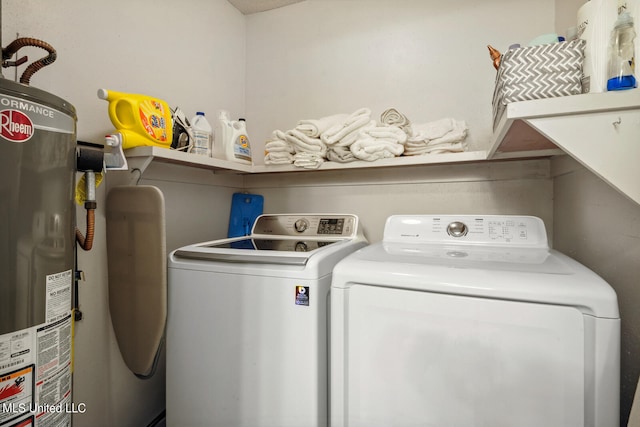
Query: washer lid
<point x="289" y="239"/>
<point x="519" y="274"/>
<point x="256" y="250"/>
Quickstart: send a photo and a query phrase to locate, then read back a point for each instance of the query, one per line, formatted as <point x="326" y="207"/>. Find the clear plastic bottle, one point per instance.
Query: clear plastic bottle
<point x="621" y="73"/>
<point x="202" y="135"/>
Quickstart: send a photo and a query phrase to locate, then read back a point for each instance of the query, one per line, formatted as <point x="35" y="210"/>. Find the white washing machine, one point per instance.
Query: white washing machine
<point x="247" y="323"/>
<point x="471" y="321"/>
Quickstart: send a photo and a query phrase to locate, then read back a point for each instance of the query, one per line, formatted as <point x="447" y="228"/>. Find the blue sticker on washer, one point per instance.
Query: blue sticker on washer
<point x="302" y="295"/>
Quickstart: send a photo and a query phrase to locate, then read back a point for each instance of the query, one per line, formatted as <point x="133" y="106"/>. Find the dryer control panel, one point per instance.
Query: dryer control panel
<point x="509" y="230"/>
<point x="308" y="225"/>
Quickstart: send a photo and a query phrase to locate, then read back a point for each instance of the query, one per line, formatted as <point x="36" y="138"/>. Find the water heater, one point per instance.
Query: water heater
<point x="37" y="247"/>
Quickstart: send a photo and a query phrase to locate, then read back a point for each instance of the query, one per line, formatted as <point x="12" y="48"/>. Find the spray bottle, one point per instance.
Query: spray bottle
<point x="231" y="140"/>
<point x="621" y="55"/>
<point x="140" y="119"/>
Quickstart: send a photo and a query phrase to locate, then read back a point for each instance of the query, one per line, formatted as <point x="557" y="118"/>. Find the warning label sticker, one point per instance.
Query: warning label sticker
<point x="16" y="393"/>
<point x="35" y="364"/>
<point x="302" y="295"/>
<point x="58" y="295"/>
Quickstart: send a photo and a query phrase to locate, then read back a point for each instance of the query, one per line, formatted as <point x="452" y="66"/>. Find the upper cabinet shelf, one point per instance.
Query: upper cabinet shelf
<point x="601" y="131"/>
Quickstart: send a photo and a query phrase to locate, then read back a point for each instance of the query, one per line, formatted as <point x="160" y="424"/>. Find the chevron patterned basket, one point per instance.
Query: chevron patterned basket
<point x="535" y="72"/>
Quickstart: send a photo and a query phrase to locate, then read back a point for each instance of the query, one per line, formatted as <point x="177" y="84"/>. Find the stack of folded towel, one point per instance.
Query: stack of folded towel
<point x="345" y="131"/>
<point x="350" y="137"/>
<point x="316" y="127"/>
<point x="380" y="142"/>
<point x="278" y="150"/>
<point x="310" y="149"/>
<point x="441" y="136"/>
<point x="310" y="152"/>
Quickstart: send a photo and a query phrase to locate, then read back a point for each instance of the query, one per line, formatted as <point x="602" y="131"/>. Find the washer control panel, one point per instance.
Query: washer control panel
<point x="457" y="229"/>
<point x="467" y="229"/>
<point x="301" y="225"/>
<point x="320" y="225"/>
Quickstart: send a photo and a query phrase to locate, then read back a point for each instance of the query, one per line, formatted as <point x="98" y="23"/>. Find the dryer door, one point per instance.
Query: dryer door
<point x="408" y="358"/>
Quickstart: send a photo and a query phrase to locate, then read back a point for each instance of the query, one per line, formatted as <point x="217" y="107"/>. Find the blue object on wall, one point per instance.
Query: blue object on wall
<point x="245" y="208"/>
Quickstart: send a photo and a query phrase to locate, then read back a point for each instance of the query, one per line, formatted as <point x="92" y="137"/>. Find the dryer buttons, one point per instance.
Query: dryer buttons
<point x="457" y="229"/>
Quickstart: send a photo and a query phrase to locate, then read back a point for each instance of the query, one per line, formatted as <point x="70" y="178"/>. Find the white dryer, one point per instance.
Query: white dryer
<point x="247" y="323"/>
<point x="471" y="321"/>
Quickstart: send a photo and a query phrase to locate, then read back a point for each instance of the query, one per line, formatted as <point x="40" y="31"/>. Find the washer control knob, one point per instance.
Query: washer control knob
<point x="457" y="229"/>
<point x="301" y="247"/>
<point x="301" y="225"/>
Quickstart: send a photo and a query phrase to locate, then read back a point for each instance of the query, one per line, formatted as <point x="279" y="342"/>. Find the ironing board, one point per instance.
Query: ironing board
<point x="136" y="258"/>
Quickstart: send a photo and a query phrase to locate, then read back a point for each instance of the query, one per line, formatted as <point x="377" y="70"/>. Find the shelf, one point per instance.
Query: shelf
<point x="141" y="157"/>
<point x="430" y="159"/>
<point x="601" y="131"/>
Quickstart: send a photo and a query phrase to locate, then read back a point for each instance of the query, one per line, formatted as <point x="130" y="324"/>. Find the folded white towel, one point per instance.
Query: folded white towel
<point x="277" y="134"/>
<point x="379" y="143"/>
<point x="340" y="154"/>
<point x="342" y="128"/>
<point x="277" y="146"/>
<point x="459" y="133"/>
<point x="393" y="117"/>
<point x="277" y="150"/>
<point x="431" y="130"/>
<point x="456" y="147"/>
<point x="277" y="142"/>
<point x="370" y="149"/>
<point x="315" y="127"/>
<point x="278" y="158"/>
<point x="308" y="160"/>
<point x="305" y="144"/>
<point x="352" y="136"/>
<point x="451" y="142"/>
<point x="422" y="144"/>
<point x="386" y="133"/>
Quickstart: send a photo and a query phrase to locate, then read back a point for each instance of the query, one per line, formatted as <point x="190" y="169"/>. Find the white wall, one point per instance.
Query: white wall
<point x="191" y="54"/>
<point x="567" y="14"/>
<point x="599" y="227"/>
<point x="427" y="58"/>
<point x="520" y="187"/>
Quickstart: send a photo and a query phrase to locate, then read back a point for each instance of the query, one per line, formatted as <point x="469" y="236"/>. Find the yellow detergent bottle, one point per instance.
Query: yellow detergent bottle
<point x="140" y="119"/>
